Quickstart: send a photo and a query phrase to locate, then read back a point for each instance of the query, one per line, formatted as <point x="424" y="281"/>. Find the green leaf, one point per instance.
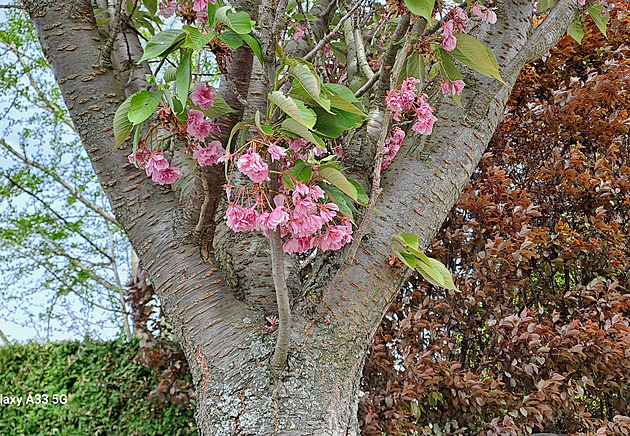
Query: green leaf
<point x="545" y="4"/>
<point x="143" y="104"/>
<point x="294" y="127"/>
<point x="301" y="171"/>
<point x="183" y="77"/>
<point x="399" y="252"/>
<point x="240" y="23"/>
<point x="430" y="274"/>
<point x="601" y="22"/>
<point x="170" y="75"/>
<point x="333" y="124"/>
<point x="339" y="198"/>
<point x="195" y="39"/>
<point x="445" y="273"/>
<point x="343" y="98"/>
<point x="254" y="44"/>
<point x="577" y="30"/>
<point x="151" y="6"/>
<point x="362" y="197"/>
<point x="411" y="239"/>
<point x="161" y="42"/>
<point x="212" y="10"/>
<point x="336" y="178"/>
<point x="221" y="15"/>
<point x="422" y="8"/>
<point x="414" y="67"/>
<point x="448" y="68"/>
<point x="294" y="108"/>
<point x="232" y="39"/>
<point x="136" y="139"/>
<point x="474" y="54"/>
<point x="305" y="74"/>
<point x="218" y="109"/>
<point x="122" y="125"/>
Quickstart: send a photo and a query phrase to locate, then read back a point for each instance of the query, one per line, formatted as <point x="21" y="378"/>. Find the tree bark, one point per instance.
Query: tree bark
<point x="220" y="326"/>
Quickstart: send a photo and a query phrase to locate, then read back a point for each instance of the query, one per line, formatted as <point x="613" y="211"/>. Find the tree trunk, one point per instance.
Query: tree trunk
<point x="213" y="300"/>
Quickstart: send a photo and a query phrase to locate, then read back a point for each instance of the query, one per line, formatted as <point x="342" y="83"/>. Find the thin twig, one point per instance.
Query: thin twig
<point x="73" y="191"/>
<point x="12" y="7"/>
<point x="366" y="87"/>
<point x="47" y="206"/>
<point x="330" y="35"/>
<point x="376" y="185"/>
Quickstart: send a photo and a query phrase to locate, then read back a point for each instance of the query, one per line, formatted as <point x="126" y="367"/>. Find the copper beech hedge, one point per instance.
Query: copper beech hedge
<point x="538" y="339"/>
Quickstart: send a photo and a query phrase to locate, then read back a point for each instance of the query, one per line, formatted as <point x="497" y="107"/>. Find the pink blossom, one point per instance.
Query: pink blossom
<point x="210" y="155"/>
<point x="203" y="95"/>
<point x="303" y="206"/>
<point x="157" y="162"/>
<point x="392" y="145"/>
<point x="241" y="219"/>
<point x="277" y="152"/>
<point x="305" y="225"/>
<point x="167" y="10"/>
<point x="141" y="157"/>
<point x="486" y="14"/>
<point x="394" y="102"/>
<point x="300" y="31"/>
<point x="450" y="42"/>
<point x="200" y="5"/>
<point x="298" y="245"/>
<point x="424" y="125"/>
<point x="315" y="192"/>
<point x="336" y="237"/>
<point x="167" y="176"/>
<point x="454" y="88"/>
<point x="290" y="246"/>
<point x="297" y="144"/>
<point x="328" y="211"/>
<point x="461" y="16"/>
<point x="270" y="220"/>
<point x="198" y="126"/>
<point x="408" y="92"/>
<point x="252" y="165"/>
<point x="327" y="50"/>
<point x="300" y="189"/>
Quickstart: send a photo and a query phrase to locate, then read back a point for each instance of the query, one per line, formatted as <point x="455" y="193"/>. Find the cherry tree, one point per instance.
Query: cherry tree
<point x="279" y="208"/>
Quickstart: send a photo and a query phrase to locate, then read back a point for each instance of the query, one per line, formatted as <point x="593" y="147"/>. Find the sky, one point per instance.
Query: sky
<point x="25" y="303"/>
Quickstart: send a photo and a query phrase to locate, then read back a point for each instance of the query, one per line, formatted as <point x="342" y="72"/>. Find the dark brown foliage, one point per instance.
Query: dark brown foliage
<point x="538" y="339"/>
<point x="157" y="350"/>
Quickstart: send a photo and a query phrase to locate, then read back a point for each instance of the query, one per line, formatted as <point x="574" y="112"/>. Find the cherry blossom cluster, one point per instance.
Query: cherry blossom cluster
<point x="185" y="7"/>
<point x="407" y="99"/>
<point x="391" y="147"/>
<point x="198" y="128"/>
<point x="486" y="14"/>
<point x="156" y="166"/>
<point x="456" y="24"/>
<point x="300" y="211"/>
<point x="455" y="87"/>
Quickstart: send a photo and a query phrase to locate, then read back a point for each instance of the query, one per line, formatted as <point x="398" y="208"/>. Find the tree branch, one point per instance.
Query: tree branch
<point x="71" y="189"/>
<point x="311" y="54"/>
<point x="47" y="206"/>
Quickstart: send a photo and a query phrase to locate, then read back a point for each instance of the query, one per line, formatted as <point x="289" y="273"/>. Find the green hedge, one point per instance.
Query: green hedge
<point x="106" y="392"/>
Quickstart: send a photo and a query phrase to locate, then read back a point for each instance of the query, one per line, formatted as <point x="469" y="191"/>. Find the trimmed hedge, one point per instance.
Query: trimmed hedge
<point x="106" y="392"/>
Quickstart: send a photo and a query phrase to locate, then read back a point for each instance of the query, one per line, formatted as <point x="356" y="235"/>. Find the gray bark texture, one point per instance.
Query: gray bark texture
<point x="217" y="286"/>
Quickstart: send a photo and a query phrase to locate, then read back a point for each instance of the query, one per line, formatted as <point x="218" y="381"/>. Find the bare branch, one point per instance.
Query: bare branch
<point x="311" y="54"/>
<point x="5" y="340"/>
<point x="71" y="189"/>
<point x="47" y="206"/>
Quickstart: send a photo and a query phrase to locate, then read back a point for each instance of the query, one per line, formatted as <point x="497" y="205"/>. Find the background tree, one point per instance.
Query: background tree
<point x="216" y="285"/>
<point x="539" y="237"/>
<point x="63" y="256"/>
